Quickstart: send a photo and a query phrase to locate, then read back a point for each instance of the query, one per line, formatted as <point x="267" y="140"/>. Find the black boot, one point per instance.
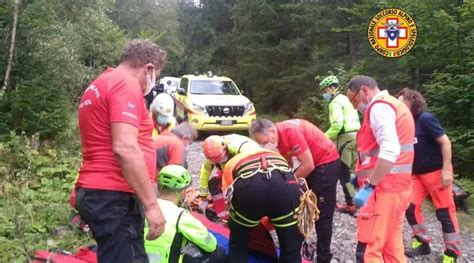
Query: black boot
<point x="419" y="247"/>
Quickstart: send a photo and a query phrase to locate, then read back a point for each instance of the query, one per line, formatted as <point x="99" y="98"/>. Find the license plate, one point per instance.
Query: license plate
<point x="227" y="122"/>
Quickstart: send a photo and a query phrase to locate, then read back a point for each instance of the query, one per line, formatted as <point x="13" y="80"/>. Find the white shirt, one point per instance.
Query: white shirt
<point x="382" y="121"/>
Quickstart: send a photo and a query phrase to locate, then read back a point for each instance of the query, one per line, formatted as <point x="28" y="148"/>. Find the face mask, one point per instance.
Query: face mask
<point x="225" y="159"/>
<point x="362" y="107"/>
<point x="150" y="82"/>
<point x="162" y="120"/>
<point x="271" y="146"/>
<point x="327" y="96"/>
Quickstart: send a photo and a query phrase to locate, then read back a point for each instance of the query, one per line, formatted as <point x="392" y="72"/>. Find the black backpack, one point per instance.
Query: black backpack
<point x="460" y="198"/>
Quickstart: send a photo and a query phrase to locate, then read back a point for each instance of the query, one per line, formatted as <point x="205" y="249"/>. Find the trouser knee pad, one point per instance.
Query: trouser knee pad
<point x="410" y="214"/>
<point x="446" y="223"/>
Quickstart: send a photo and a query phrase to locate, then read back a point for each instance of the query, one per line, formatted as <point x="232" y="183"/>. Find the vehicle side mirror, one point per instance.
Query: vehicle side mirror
<point x="243" y="92"/>
<point x="181" y="91"/>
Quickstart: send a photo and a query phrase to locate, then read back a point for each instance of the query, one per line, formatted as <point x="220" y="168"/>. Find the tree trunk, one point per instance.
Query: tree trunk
<point x="12" y="48"/>
<point x="416" y="80"/>
<point x="353" y="46"/>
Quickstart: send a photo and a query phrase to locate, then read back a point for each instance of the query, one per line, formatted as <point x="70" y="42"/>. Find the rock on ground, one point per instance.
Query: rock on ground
<point x="343" y="243"/>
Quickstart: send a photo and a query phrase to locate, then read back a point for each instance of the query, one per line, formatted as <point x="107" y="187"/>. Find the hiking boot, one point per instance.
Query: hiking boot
<point x="449" y="256"/>
<point x="346" y="209"/>
<point x="418" y="248"/>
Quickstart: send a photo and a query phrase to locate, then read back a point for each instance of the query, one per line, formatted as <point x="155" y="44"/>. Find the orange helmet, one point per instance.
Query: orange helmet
<point x="215" y="149"/>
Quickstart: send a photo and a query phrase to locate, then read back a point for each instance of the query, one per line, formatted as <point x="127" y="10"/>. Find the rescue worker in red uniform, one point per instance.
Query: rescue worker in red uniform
<point x="319" y="165"/>
<point x="170" y="146"/>
<point x="385" y="148"/>
<point x="433" y="176"/>
<point x="114" y="190"/>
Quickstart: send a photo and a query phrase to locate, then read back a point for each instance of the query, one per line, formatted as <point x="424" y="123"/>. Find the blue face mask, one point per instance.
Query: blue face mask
<point x="162" y="120"/>
<point x="327" y="96"/>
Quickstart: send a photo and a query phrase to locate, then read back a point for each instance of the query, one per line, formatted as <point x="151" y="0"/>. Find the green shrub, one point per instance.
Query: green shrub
<point x="34" y="194"/>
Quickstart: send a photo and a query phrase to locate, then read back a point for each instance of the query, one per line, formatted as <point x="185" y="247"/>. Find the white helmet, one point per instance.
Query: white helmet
<point x="163" y="104"/>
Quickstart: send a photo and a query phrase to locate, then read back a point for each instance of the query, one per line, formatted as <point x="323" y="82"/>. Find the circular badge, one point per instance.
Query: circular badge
<point x="392" y="32"/>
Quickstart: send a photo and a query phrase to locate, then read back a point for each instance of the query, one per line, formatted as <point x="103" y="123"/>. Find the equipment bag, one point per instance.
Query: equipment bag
<point x="86" y="254"/>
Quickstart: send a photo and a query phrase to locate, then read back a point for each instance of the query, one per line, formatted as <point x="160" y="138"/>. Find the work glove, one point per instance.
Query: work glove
<point x="362" y="195"/>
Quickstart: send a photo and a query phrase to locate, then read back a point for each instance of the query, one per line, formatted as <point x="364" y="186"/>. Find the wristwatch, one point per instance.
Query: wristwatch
<point x="368" y="183"/>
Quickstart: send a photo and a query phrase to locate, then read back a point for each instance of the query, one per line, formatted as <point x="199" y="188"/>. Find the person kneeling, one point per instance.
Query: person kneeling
<point x="258" y="184"/>
<point x="185" y="238"/>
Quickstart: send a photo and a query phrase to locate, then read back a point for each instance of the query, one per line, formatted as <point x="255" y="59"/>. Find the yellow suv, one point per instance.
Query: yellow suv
<point x="213" y="103"/>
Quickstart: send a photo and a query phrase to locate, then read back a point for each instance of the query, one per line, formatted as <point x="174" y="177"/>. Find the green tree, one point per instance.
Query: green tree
<point x="156" y="20"/>
<point x="61" y="47"/>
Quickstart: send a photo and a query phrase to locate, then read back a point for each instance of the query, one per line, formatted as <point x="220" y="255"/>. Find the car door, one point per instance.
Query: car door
<point x="180" y="96"/>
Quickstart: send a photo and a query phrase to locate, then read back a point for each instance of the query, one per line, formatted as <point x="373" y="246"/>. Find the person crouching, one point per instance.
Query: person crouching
<point x="185" y="238"/>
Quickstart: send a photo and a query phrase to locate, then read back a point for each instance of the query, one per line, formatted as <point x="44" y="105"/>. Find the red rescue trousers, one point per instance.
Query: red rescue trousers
<point x="380" y="227"/>
<point x="430" y="184"/>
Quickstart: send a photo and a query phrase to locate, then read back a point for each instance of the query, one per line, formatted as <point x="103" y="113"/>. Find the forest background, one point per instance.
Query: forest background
<point x="275" y="50"/>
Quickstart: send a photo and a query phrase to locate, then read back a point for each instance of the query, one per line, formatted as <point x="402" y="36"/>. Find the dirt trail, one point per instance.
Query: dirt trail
<point x="344" y="228"/>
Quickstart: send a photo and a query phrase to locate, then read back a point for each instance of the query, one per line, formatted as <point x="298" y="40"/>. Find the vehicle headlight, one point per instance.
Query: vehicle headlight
<point x="249" y="107"/>
<point x="199" y="108"/>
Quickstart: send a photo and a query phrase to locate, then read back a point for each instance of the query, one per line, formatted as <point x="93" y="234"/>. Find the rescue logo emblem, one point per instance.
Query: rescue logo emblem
<point x="392" y="32"/>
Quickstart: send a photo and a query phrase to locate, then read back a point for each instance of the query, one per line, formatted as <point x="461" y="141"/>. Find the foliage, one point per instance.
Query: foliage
<point x="276" y="48"/>
<point x="34" y="189"/>
<point x="155" y="20"/>
<point x="452" y="100"/>
<point x="59" y="51"/>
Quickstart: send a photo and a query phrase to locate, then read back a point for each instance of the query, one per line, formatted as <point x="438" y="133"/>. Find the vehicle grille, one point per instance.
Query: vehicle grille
<point x="225" y="111"/>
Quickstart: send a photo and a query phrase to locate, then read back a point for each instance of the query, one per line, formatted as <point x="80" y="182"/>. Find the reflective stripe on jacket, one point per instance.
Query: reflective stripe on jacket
<point x="191" y="228"/>
<point x="399" y="177"/>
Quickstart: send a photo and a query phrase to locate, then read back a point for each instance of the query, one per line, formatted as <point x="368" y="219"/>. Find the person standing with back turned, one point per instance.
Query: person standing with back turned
<point x="114" y="190"/>
<point x="319" y="165"/>
<point x="385" y="146"/>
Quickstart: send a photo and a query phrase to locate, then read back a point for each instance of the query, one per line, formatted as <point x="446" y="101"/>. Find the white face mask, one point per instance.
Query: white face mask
<point x="271" y="146"/>
<point x="150" y="82"/>
<point x="327" y="96"/>
<point x="226" y="157"/>
<point x="362" y="107"/>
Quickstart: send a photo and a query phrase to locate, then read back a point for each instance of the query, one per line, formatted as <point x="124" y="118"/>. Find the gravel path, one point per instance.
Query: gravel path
<point x="344" y="229"/>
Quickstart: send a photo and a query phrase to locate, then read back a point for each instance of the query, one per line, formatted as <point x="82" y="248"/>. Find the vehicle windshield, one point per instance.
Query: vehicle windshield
<point x="213" y="87"/>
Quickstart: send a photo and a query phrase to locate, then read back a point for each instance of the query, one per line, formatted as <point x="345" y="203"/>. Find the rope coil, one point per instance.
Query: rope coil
<point x="308" y="212"/>
<point x="307" y="215"/>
